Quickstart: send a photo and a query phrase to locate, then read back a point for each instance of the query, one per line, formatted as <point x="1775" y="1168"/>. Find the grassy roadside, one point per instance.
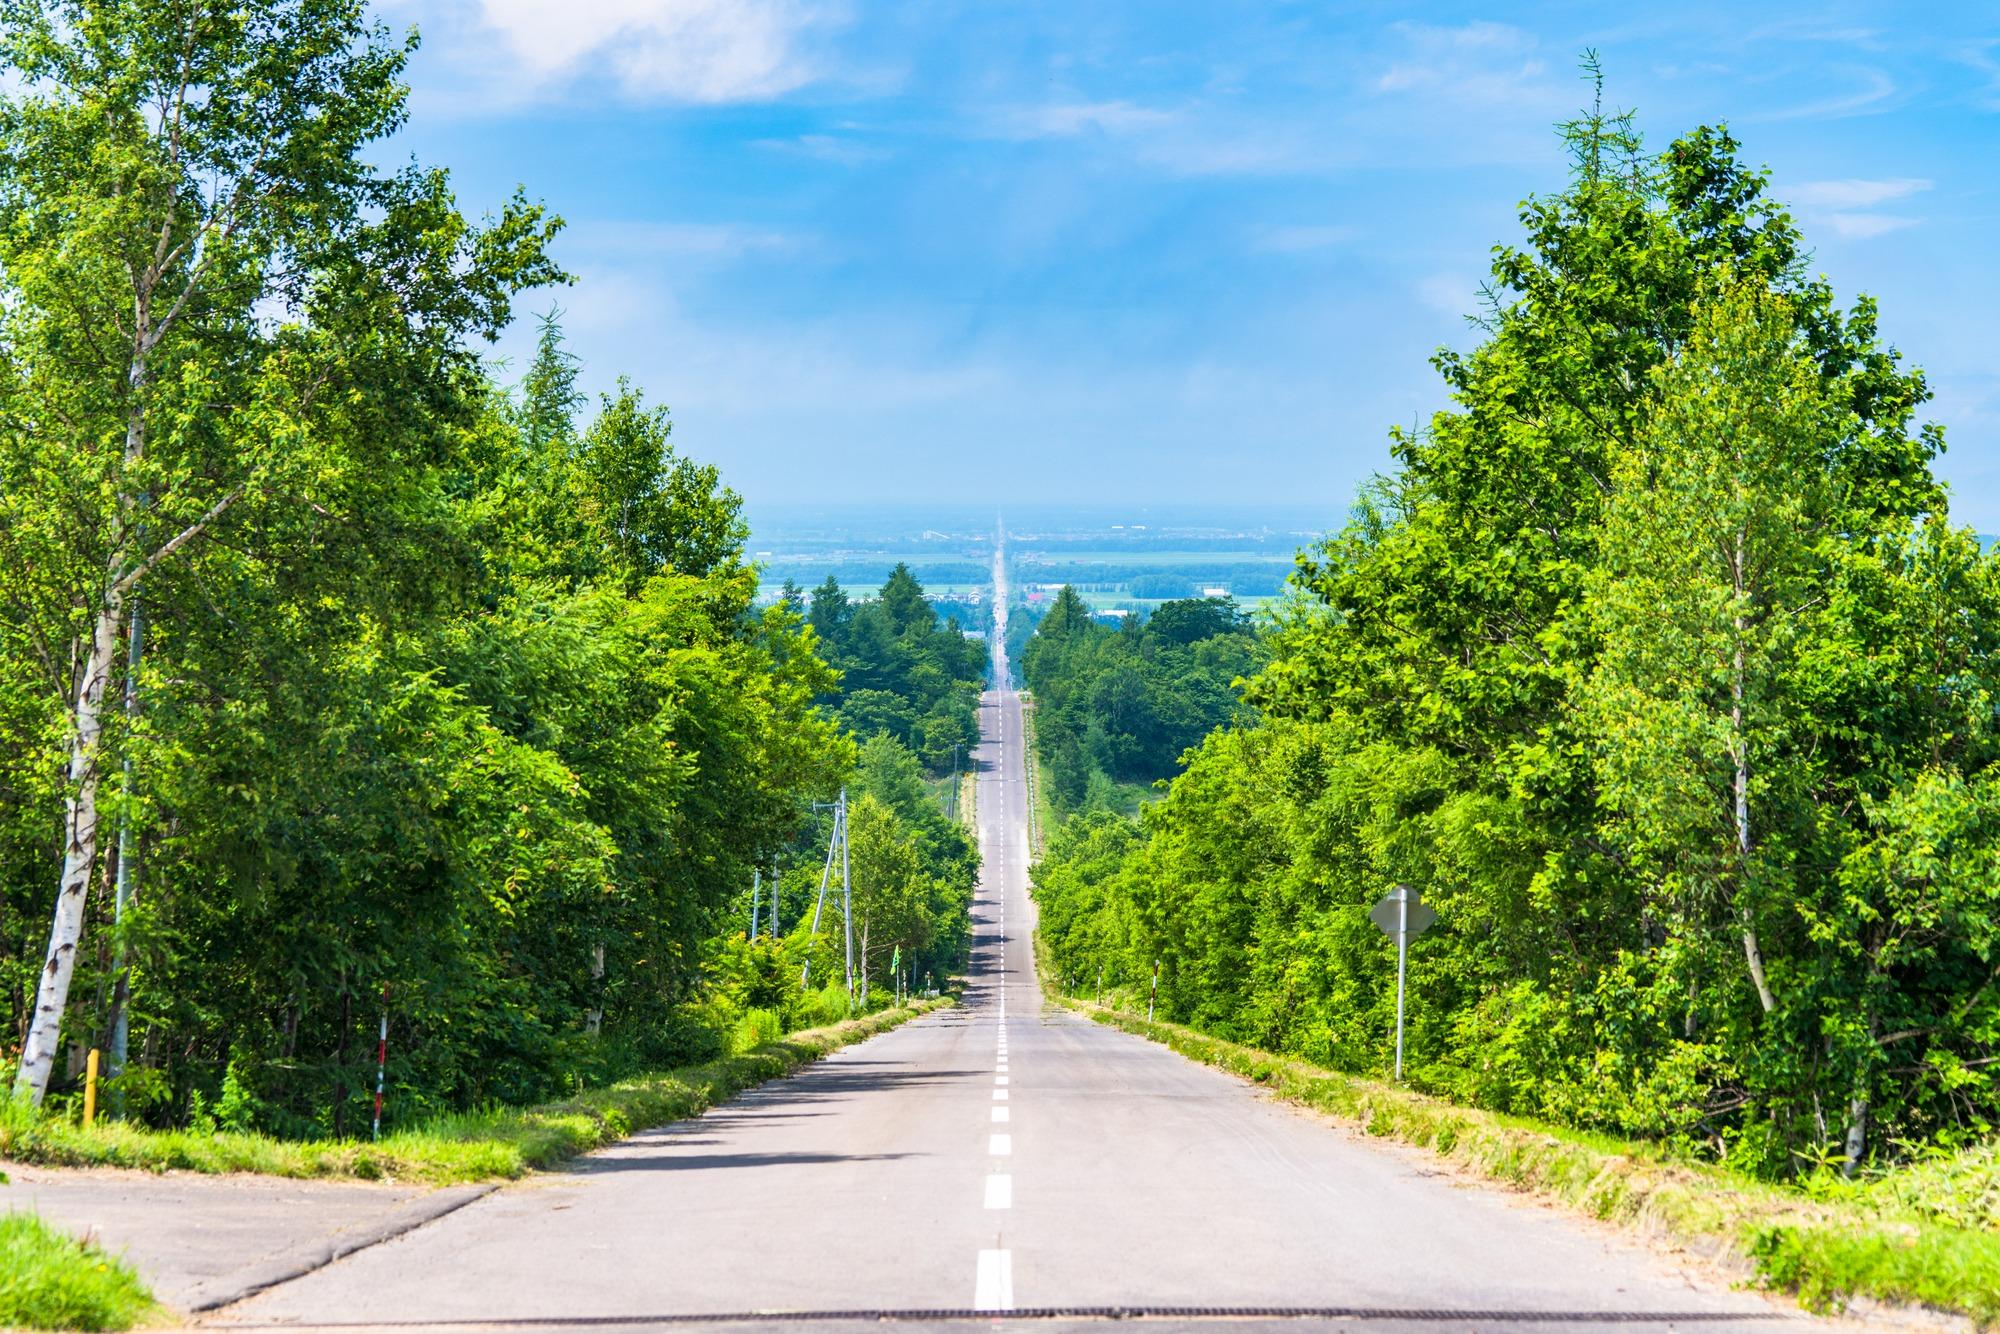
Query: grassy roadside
<point x="499" y="1143"/>
<point x="1040" y="814"/>
<point x="1866" y="1243"/>
<point x="49" y="1280"/>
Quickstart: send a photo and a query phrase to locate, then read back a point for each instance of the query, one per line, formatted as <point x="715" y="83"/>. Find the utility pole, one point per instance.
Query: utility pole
<point x="756" y="889"/>
<point x="846" y="894"/>
<point x="775" y="882"/>
<point x="838" y="837"/>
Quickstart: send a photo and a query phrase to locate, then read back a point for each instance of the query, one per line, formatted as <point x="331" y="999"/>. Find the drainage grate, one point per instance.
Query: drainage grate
<point x="1032" y="1313"/>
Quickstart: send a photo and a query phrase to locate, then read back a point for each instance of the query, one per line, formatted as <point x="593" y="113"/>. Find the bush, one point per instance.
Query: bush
<point x="828" y="1005"/>
<point x="754" y="1029"/>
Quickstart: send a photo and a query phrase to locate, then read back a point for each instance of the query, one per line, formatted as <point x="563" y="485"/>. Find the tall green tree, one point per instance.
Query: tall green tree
<point x="199" y="256"/>
<point x="1713" y="547"/>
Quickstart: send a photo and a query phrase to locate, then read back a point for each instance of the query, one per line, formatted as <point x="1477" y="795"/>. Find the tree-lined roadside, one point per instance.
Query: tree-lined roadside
<point x="370" y="691"/>
<point x="1659" y="670"/>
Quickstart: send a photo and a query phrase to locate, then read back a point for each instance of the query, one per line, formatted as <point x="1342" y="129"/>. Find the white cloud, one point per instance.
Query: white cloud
<point x="837" y="149"/>
<point x="666" y="50"/>
<point x="1062" y="119"/>
<point x="1980" y="57"/>
<point x="1842" y="206"/>
<point x="1862" y="226"/>
<point x="1479" y="62"/>
<point x="1851" y="193"/>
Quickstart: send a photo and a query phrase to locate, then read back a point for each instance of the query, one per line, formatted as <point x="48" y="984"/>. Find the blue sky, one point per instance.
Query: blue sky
<point x="1154" y="251"/>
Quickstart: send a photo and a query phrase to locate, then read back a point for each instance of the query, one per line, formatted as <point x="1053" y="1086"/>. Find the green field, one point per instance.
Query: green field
<point x="1027" y="559"/>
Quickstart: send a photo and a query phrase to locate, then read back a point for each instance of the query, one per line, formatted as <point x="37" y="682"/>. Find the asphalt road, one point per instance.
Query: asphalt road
<point x="1004" y="1156"/>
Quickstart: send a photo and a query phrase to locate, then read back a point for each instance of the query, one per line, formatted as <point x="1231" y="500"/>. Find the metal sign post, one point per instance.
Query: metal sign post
<point x="1402" y="916"/>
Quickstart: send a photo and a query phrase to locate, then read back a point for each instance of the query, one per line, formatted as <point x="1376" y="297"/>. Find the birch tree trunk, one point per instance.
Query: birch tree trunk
<point x="1857" y="1107"/>
<point x="86" y="732"/>
<point x="1752" y="953"/>
<point x="593" y="1019"/>
<point x="79" y="851"/>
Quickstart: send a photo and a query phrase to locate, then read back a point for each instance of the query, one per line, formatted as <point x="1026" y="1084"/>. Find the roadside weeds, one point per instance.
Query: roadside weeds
<point x="499" y="1143"/>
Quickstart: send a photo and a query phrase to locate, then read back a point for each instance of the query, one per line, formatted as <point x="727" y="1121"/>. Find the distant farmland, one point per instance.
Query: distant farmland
<point x="1141" y="580"/>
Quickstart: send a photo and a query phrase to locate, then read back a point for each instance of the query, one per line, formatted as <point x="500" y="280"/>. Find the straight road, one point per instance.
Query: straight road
<point x="1004" y="1155"/>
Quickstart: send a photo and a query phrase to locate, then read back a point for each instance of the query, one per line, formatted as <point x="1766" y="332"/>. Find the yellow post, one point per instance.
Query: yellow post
<point x="90" y="1089"/>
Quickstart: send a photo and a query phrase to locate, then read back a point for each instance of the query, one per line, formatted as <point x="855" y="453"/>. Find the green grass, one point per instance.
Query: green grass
<point x="1041" y="815"/>
<point x="495" y="1144"/>
<point x="968" y="801"/>
<point x="1923" y="1235"/>
<point x="1959" y="1189"/>
<point x="51" y="1281"/>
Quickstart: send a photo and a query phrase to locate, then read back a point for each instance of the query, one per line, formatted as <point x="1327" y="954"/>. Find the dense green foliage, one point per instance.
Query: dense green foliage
<point x="1658" y="669"/>
<point x="904" y="672"/>
<point x="455" y="702"/>
<point x="1119" y="704"/>
<point x="52" y="1281"/>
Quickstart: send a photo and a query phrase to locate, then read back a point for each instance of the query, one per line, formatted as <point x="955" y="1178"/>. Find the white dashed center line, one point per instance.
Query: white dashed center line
<point x="994" y="1290"/>
<point x="1000" y="1191"/>
<point x="1000" y="1146"/>
<point x="1000" y="1113"/>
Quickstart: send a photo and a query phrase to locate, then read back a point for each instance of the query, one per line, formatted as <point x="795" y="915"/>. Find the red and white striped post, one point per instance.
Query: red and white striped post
<point x="381" y="1063"/>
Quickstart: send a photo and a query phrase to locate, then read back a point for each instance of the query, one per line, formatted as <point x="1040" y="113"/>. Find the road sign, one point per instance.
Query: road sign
<point x="1385" y="913"/>
<point x="1403" y="917"/>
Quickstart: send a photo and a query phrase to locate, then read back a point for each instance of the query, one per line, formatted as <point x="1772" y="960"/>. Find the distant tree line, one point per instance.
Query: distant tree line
<point x="1659" y="670"/>
<point x="1120" y="703"/>
<point x="905" y="672"/>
